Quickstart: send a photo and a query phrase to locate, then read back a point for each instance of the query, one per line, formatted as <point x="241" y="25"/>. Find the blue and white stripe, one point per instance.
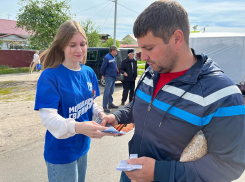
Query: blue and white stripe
<point x="202" y="101"/>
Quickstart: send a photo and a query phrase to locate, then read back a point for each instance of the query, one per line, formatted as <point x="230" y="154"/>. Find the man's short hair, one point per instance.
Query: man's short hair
<point x="113" y="47"/>
<point x="162" y="18"/>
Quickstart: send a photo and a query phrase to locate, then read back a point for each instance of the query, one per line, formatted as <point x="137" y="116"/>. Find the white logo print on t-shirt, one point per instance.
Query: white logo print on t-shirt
<point x="90" y="88"/>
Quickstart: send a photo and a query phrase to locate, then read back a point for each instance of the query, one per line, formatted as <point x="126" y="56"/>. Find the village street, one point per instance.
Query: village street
<point x="22" y="137"/>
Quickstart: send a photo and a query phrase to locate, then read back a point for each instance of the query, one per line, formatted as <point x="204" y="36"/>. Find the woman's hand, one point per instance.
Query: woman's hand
<point x="91" y="129"/>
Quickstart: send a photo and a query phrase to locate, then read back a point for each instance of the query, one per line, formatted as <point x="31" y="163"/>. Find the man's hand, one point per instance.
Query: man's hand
<point x="146" y="174"/>
<point x="125" y="74"/>
<point x="110" y="119"/>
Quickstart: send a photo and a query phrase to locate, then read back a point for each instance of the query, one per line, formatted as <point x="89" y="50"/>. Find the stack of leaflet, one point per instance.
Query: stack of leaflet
<point x="124" y="166"/>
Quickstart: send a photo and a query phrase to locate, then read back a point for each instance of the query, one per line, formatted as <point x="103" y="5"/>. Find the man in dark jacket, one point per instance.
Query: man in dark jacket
<point x="180" y="94"/>
<point x="108" y="71"/>
<point x="129" y="70"/>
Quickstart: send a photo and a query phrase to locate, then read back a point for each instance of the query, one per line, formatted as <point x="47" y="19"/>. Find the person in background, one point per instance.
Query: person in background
<point x="180" y="94"/>
<point x="129" y="70"/>
<point x="108" y="71"/>
<point x="65" y="97"/>
<point x="34" y="63"/>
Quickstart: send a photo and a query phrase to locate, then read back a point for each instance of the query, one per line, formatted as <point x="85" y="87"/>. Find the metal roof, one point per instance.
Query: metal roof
<point x="8" y="27"/>
<point x="7" y="35"/>
<point x="216" y="34"/>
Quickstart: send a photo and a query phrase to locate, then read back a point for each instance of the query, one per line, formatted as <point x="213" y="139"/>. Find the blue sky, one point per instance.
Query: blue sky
<point x="219" y="15"/>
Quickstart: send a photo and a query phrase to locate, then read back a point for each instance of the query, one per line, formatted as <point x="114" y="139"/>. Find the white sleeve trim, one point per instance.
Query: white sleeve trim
<point x="58" y="126"/>
<point x="97" y="109"/>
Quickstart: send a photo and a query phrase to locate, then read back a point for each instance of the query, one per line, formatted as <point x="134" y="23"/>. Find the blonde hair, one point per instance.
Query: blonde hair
<point x="54" y="55"/>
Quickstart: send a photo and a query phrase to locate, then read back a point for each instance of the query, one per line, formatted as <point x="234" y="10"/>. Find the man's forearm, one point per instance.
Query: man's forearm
<point x="124" y="115"/>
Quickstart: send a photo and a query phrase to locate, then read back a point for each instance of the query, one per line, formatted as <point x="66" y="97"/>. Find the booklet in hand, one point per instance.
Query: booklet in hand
<point x="111" y="129"/>
<point x="124" y="166"/>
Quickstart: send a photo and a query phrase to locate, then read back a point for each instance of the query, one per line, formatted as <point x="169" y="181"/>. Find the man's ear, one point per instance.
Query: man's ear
<point x="178" y="37"/>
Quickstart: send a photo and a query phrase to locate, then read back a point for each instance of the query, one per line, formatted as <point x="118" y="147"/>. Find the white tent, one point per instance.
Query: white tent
<point x="226" y="49"/>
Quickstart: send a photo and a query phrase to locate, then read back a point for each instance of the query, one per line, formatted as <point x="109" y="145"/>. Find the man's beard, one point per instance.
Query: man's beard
<point x="170" y="64"/>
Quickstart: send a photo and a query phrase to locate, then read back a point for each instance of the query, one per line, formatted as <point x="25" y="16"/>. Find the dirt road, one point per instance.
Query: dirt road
<point x="19" y="123"/>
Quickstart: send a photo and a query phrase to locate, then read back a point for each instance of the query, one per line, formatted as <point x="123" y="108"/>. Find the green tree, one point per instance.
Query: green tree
<point x="0" y="44"/>
<point x="92" y="33"/>
<point x="109" y="42"/>
<point x="42" y="18"/>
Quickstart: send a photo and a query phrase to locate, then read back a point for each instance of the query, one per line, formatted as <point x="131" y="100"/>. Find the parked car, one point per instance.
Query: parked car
<point x="95" y="58"/>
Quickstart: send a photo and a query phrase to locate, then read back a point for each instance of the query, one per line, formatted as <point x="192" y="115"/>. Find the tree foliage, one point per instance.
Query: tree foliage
<point x="42" y="18"/>
<point x="92" y="33"/>
<point x="0" y="44"/>
<point x="109" y="42"/>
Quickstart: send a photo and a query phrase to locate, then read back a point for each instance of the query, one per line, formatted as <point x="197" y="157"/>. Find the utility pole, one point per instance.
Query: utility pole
<point x="9" y="15"/>
<point x="115" y="23"/>
<point x="204" y="28"/>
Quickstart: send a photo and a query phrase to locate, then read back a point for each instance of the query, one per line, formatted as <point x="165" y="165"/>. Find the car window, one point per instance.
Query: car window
<point x="92" y="55"/>
<point x="124" y="54"/>
<point x="103" y="53"/>
<point x="118" y="59"/>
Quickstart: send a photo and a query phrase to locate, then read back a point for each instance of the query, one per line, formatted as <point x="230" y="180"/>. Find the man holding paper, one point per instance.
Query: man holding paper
<point x="180" y="94"/>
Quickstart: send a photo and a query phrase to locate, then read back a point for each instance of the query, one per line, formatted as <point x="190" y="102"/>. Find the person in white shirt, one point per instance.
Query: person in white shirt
<point x="35" y="61"/>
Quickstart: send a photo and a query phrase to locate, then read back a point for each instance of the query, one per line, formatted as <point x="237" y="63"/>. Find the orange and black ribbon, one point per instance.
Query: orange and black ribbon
<point x="120" y="127"/>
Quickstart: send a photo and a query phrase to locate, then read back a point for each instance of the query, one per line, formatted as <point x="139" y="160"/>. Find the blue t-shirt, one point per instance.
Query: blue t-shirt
<point x="71" y="93"/>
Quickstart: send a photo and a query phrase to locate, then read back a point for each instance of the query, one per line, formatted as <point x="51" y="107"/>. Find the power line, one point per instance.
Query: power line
<point x="91" y="8"/>
<point x="99" y="11"/>
<point x="128" y="8"/>
<point x="107" y="15"/>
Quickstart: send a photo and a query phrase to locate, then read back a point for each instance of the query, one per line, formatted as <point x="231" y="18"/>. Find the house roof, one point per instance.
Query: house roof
<point x="7" y="35"/>
<point x="132" y="36"/>
<point x="8" y="27"/>
<point x="125" y="45"/>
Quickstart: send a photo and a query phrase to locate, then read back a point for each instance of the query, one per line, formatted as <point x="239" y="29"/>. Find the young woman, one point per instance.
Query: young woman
<point x="65" y="99"/>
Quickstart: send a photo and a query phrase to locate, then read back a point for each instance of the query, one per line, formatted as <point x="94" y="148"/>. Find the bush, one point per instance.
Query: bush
<point x="7" y="70"/>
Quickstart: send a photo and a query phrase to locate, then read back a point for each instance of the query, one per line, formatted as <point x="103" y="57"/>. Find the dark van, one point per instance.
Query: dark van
<point x="95" y="58"/>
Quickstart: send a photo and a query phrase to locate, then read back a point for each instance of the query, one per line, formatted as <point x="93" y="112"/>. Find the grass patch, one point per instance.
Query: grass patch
<point x="7" y="70"/>
<point x="29" y="97"/>
<point x="141" y="66"/>
<point x="20" y="95"/>
<point x="140" y="62"/>
<point x="6" y="91"/>
<point x="10" y="97"/>
<point x="140" y="72"/>
<point x="4" y="82"/>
